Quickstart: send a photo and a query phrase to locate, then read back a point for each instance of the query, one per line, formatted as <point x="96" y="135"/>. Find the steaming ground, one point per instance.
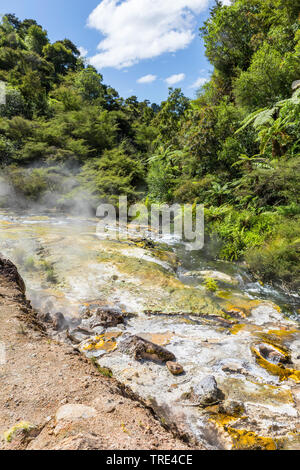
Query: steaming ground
<point x="61" y="191"/>
<point x="42" y="376"/>
<point x="67" y="267"/>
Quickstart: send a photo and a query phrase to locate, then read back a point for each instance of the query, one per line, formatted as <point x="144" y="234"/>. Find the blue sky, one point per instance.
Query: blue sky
<point x="140" y="46"/>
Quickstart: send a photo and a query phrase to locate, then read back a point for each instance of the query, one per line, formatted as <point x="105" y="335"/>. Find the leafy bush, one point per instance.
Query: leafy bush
<point x="31" y="184"/>
<point x="15" y="104"/>
<point x="114" y="174"/>
<point x="6" y="150"/>
<point x="279" y="257"/>
<point x="268" y="78"/>
<point x="210" y="284"/>
<point x="239" y="230"/>
<point x="49" y="272"/>
<point x="267" y="188"/>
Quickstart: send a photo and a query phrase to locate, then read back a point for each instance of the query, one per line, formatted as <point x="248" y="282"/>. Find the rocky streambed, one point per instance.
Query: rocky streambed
<point x="215" y="354"/>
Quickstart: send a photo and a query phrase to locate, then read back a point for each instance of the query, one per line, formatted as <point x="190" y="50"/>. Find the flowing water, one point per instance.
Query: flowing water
<point x="242" y="333"/>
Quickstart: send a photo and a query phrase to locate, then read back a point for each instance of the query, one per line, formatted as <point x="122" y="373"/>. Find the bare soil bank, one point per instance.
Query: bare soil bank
<point x="60" y="393"/>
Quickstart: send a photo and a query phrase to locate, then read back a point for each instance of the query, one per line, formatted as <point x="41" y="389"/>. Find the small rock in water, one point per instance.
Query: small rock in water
<point x="59" y="321"/>
<point x="234" y="367"/>
<point x="207" y="392"/>
<point x="175" y="368"/>
<point x="216" y="275"/>
<point x="272" y="354"/>
<point x="84" y="311"/>
<point x="107" y="317"/>
<point x="140" y="348"/>
<point x="78" y="334"/>
<point x="232" y="408"/>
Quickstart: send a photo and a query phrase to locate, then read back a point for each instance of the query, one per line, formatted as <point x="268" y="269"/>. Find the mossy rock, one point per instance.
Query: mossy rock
<point x="23" y="426"/>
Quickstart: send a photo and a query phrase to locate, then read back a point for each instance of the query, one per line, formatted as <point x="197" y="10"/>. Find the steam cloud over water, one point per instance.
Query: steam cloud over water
<point x="64" y="194"/>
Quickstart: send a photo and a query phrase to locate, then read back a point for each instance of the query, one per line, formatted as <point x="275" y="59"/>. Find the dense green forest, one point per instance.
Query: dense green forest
<point x="235" y="148"/>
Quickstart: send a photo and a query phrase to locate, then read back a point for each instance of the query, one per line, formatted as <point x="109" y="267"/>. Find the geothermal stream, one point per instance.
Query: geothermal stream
<point x="244" y="334"/>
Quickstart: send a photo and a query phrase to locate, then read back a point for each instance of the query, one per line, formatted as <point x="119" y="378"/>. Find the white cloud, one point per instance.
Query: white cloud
<point x="147" y="79"/>
<point x="173" y="79"/>
<point x="199" y="82"/>
<point x="83" y="51"/>
<point x="226" y="2"/>
<point x="141" y="29"/>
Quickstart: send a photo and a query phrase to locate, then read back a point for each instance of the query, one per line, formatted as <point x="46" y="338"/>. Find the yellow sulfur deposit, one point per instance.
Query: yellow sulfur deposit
<point x="246" y="440"/>
<point x="282" y="333"/>
<point x="276" y="369"/>
<point x="242" y="439"/>
<point x="237" y="328"/>
<point x="23" y="425"/>
<point x="106" y="342"/>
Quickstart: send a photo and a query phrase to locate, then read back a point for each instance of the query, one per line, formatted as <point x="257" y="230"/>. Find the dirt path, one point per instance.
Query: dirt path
<point x="70" y="404"/>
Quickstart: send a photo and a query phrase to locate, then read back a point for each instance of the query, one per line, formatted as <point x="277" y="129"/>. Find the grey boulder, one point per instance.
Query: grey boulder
<point x="206" y="392"/>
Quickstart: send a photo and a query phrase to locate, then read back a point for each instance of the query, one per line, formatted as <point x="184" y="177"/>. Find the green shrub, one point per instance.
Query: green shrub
<point x="211" y="284"/>
<point x="114" y="174"/>
<point x="238" y="230"/>
<point x="278" y="259"/>
<point x="49" y="272"/>
<point x="268" y="78"/>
